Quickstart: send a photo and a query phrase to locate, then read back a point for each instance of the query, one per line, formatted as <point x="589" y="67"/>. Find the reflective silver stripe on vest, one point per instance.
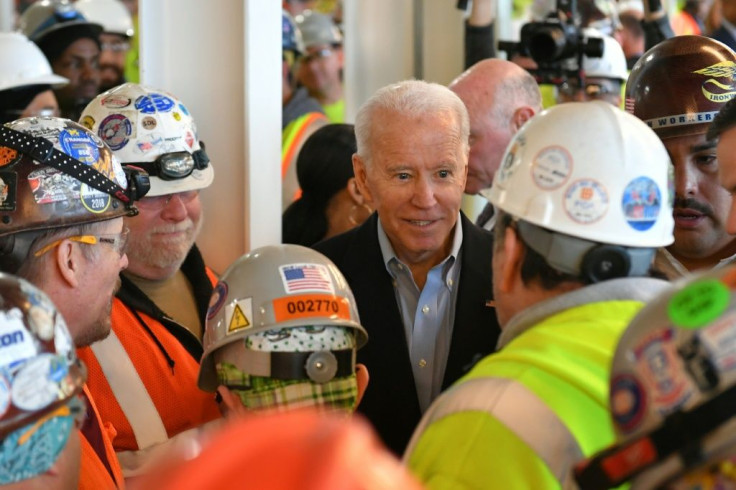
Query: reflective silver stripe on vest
<point x="130" y="392"/>
<point x="538" y="426"/>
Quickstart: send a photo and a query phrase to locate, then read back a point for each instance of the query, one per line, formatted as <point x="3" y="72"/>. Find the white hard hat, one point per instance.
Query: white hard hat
<point x="151" y="129"/>
<point x="672" y="391"/>
<point x="591" y="171"/>
<point x="317" y="28"/>
<point x="613" y="62"/>
<point x="23" y="64"/>
<point x="111" y="14"/>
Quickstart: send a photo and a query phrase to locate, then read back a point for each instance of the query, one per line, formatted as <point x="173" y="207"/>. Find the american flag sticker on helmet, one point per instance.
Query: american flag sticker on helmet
<point x="300" y="278"/>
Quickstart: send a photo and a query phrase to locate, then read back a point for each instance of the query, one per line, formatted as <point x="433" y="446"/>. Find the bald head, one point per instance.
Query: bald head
<point x="500" y="97"/>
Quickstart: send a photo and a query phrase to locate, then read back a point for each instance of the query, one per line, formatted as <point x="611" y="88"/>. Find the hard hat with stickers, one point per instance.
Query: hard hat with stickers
<point x="40" y="377"/>
<point x="56" y="173"/>
<point x="153" y="130"/>
<point x="679" y="85"/>
<point x="673" y="392"/>
<point x="590" y="174"/>
<point x="282" y="312"/>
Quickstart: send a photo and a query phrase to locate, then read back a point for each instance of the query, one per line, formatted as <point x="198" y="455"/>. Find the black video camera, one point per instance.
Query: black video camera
<point x="556" y="45"/>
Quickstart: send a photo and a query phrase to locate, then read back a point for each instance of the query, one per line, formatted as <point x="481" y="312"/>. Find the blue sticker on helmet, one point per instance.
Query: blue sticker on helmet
<point x="77" y="144"/>
<point x="219" y="295"/>
<point x="115" y="130"/>
<point x="627" y="402"/>
<point x="641" y="203"/>
<point x="149" y="104"/>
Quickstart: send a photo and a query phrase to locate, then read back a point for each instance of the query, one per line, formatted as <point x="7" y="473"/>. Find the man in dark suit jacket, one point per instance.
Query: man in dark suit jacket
<point x="411" y="166"/>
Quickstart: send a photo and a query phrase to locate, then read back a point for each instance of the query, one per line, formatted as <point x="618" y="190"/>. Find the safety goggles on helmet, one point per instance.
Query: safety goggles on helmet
<point x="176" y="165"/>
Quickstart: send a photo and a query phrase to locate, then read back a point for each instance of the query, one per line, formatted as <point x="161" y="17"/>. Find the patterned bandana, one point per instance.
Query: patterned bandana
<point x="302" y="339"/>
<point x="258" y="393"/>
<point x="32" y="449"/>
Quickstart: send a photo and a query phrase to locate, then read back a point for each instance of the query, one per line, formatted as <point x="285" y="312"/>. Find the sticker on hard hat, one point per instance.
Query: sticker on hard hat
<point x="510" y="162"/>
<point x="16" y="342"/>
<point x="719" y="341"/>
<point x="37" y="383"/>
<point x="50" y="186"/>
<point x="4" y="395"/>
<point x="115" y="101"/>
<point x="88" y="122"/>
<point x="300" y="278"/>
<point x="176" y="115"/>
<point x="586" y="201"/>
<point x="116" y="131"/>
<point x="149" y="123"/>
<point x="628" y="402"/>
<point x="310" y="306"/>
<point x="552" y="167"/>
<point x="42" y="321"/>
<point x="93" y="200"/>
<point x="149" y="142"/>
<point x="641" y="203"/>
<point x="239" y="315"/>
<point x="183" y="109"/>
<point x="219" y="295"/>
<point x="151" y="103"/>
<point x="77" y="144"/>
<point x="8" y="186"/>
<point x="698" y="303"/>
<point x="62" y="338"/>
<point x="713" y="90"/>
<point x="662" y="371"/>
<point x="681" y="119"/>
<point x="8" y="156"/>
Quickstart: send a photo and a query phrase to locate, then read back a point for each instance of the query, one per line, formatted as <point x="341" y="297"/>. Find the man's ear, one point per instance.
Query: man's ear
<point x="513" y="256"/>
<point x="361" y="177"/>
<point x="354" y="192"/>
<point x="521" y="116"/>
<point x="67" y="263"/>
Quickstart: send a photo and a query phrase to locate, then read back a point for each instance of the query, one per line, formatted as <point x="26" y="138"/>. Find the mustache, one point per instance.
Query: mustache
<point x="174" y="227"/>
<point x="690" y="203"/>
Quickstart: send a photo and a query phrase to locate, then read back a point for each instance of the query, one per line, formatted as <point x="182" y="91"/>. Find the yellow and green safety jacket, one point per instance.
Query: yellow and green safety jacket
<point x="524" y="416"/>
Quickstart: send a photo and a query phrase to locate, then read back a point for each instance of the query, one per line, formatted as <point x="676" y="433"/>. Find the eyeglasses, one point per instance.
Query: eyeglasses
<point x="320" y="53"/>
<point x="159" y="202"/>
<point x="591" y="90"/>
<point x="176" y="165"/>
<point x="116" y="240"/>
<point x="115" y="46"/>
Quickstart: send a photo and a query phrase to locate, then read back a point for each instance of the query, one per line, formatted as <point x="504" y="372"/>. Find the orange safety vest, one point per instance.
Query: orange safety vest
<point x="93" y="475"/>
<point x="292" y="138"/>
<point x="167" y="401"/>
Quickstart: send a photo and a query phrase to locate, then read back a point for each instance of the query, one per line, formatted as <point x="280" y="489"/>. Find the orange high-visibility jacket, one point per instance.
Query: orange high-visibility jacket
<point x="93" y="475"/>
<point x="144" y="375"/>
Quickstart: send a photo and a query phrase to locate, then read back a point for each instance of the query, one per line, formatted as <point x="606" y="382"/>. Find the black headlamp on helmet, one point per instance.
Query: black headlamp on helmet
<point x="176" y="165"/>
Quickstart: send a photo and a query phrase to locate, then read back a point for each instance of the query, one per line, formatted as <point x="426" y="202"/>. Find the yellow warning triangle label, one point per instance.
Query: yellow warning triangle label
<point x="238" y="320"/>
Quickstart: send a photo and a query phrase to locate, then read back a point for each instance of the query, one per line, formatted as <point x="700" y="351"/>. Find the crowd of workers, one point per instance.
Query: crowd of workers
<point x="579" y="333"/>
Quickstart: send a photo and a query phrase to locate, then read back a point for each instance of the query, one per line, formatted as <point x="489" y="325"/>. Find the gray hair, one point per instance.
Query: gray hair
<point x="32" y="268"/>
<point x="410" y="98"/>
<point x="513" y="92"/>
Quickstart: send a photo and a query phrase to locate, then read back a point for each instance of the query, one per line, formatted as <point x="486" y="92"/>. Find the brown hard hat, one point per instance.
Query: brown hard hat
<point x="36" y="197"/>
<point x="679" y="85"/>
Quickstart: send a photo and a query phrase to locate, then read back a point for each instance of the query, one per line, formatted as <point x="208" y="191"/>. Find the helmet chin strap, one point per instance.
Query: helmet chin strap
<point x="43" y="151"/>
